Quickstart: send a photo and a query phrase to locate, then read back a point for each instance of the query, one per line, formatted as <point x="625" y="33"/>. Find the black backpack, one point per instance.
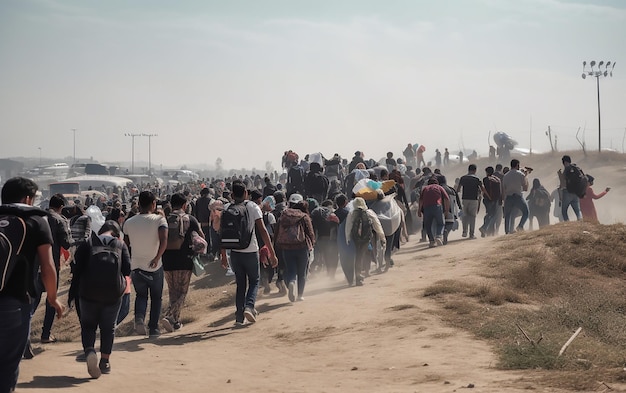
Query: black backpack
<point x="235" y="233"/>
<point x="576" y="181"/>
<point x="362" y="227"/>
<point x="12" y="238"/>
<point x="177" y="227"/>
<point x="101" y="280"/>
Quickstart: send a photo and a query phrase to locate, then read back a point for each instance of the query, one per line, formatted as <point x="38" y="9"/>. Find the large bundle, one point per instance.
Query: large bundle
<point x="389" y="213"/>
<point x="370" y="189"/>
<point x="504" y="140"/>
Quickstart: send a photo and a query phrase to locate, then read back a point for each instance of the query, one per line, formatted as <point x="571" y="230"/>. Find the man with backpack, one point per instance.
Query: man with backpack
<point x="146" y="236"/>
<point x="573" y="185"/>
<point x="102" y="265"/>
<point x="362" y="224"/>
<point x="178" y="259"/>
<point x="240" y="220"/>
<point x="434" y="201"/>
<point x="25" y="237"/>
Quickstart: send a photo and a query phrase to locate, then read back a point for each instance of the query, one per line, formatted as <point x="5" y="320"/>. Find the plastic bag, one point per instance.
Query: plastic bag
<point x="97" y="219"/>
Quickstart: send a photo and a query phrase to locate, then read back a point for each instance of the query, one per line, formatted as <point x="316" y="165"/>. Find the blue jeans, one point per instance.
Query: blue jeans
<point x="570" y="199"/>
<point x="246" y="267"/>
<point x="14" y="332"/>
<point x="434" y="214"/>
<point x="124" y="308"/>
<point x="510" y="204"/>
<point x="490" y="216"/>
<point x="148" y="283"/>
<point x="297" y="262"/>
<point x="94" y="315"/>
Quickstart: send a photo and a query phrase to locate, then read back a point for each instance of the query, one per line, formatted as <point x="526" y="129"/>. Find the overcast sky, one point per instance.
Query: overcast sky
<point x="246" y="80"/>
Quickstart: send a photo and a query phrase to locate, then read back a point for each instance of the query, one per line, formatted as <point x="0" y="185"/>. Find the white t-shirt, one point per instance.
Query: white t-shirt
<point x="143" y="232"/>
<point x="254" y="213"/>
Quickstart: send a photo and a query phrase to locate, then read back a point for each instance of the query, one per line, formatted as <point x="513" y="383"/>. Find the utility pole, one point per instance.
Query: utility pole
<point x="39" y="155"/>
<point x="149" y="136"/>
<point x="604" y="69"/>
<point x="74" y="131"/>
<point x="132" y="156"/>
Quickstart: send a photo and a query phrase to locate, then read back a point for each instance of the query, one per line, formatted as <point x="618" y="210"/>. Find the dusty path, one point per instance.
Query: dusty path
<point x="381" y="337"/>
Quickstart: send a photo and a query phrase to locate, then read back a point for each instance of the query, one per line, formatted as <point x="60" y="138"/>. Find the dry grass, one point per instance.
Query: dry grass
<point x="550" y="282"/>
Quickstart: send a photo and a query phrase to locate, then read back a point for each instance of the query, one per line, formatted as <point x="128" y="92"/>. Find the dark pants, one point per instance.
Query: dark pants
<point x="361" y="260"/>
<point x="148" y="284"/>
<point x="297" y="262"/>
<point x="511" y="203"/>
<point x="14" y="332"/>
<point x="326" y="251"/>
<point x="346" y="253"/>
<point x="215" y="242"/>
<point x="247" y="272"/>
<point x="490" y="217"/>
<point x="94" y="315"/>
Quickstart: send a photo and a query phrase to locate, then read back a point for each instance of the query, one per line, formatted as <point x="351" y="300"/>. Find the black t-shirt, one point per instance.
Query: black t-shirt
<point x="181" y="259"/>
<point x="471" y="186"/>
<point x="22" y="280"/>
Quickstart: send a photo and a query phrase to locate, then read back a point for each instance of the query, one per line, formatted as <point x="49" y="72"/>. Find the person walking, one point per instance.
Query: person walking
<point x="472" y="187"/>
<point x="178" y="261"/>
<point x="146" y="235"/>
<point x="244" y="261"/>
<point x="539" y="201"/>
<point x="514" y="183"/>
<point x="296" y="238"/>
<point x="433" y="202"/>
<point x="102" y="265"/>
<point x="363" y="227"/>
<point x="567" y="184"/>
<point x="587" y="207"/>
<point x="27" y="226"/>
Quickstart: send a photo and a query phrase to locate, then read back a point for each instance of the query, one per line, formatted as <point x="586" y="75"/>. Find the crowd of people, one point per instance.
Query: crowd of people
<point x="317" y="215"/>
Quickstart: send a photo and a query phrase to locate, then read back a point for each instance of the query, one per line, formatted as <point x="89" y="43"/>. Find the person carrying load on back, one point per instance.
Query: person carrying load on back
<point x="25" y="238"/>
<point x="573" y="185"/>
<point x="102" y="265"/>
<point x="362" y="226"/>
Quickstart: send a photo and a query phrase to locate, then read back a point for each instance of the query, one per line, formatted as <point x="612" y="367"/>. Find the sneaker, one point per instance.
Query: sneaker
<point x="482" y="232"/>
<point x="92" y="364"/>
<point x="359" y="283"/>
<point x="250" y="314"/>
<point x="464" y="234"/>
<point x="230" y="272"/>
<point x="282" y="289"/>
<point x="81" y="357"/>
<point x="178" y="326"/>
<point x="472" y="237"/>
<point x="431" y="244"/>
<point x="104" y="366"/>
<point x="292" y="291"/>
<point x="300" y="299"/>
<point x="167" y="325"/>
<point x="239" y="324"/>
<point x="438" y="241"/>
<point x="140" y="327"/>
<point x="155" y="333"/>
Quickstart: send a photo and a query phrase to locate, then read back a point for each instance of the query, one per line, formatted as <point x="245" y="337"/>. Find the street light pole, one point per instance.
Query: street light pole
<point x="39" y="155"/>
<point x="132" y="154"/>
<point x="603" y="69"/>
<point x="149" y="151"/>
<point x="74" y="131"/>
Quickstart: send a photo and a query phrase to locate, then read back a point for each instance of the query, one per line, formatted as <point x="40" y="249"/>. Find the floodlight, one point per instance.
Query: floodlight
<point x="593" y="63"/>
<point x="584" y="76"/>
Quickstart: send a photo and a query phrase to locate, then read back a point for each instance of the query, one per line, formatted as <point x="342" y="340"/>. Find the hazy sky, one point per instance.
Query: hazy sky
<point x="246" y="80"/>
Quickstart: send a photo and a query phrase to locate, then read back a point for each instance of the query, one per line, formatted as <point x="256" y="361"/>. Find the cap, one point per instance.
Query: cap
<point x="295" y="199"/>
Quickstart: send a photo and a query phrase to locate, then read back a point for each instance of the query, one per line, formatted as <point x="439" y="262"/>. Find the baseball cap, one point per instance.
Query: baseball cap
<point x="295" y="199"/>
